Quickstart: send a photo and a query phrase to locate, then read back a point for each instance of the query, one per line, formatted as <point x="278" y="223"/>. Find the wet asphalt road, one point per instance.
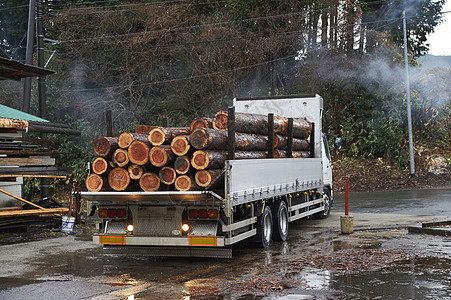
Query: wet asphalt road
<point x="70" y="267"/>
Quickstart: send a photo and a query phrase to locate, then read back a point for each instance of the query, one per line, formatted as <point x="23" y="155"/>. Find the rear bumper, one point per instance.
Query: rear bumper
<point x="130" y="240"/>
<point x="168" y="251"/>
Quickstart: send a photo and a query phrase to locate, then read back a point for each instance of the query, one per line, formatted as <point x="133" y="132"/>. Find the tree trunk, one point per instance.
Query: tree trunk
<point x="201" y="123"/>
<point x="209" y="178"/>
<point x="180" y="145"/>
<point x="120" y="157"/>
<point x="149" y="182"/>
<point x="160" y="156"/>
<point x="161" y="135"/>
<point x="185" y="183"/>
<point x="104" y="146"/>
<point x="119" y="179"/>
<point x="296" y="154"/>
<point x="126" y="139"/>
<point x="210" y="159"/>
<point x="324" y="24"/>
<point x="96" y="183"/>
<point x="182" y="165"/>
<point x="135" y="171"/>
<point x="101" y="166"/>
<point x="280" y="142"/>
<point x="138" y="152"/>
<point x="167" y="175"/>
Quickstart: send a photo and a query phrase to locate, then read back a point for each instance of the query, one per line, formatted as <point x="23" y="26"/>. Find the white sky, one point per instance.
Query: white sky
<point x="440" y="40"/>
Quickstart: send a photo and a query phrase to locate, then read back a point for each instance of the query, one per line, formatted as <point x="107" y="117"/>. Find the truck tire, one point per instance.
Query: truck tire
<point x="280" y="221"/>
<point x="327" y="205"/>
<point x="264" y="229"/>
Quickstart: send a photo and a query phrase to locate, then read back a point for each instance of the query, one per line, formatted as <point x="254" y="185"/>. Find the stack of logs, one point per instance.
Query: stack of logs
<point x="193" y="158"/>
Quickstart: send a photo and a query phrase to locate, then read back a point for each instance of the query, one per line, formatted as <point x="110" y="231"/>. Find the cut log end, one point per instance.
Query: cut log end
<point x="199" y="138"/>
<point x="183" y="183"/>
<point x="149" y="182"/>
<point x="200" y="160"/>
<point x="182" y="165"/>
<point x="100" y="166"/>
<point x="119" y="179"/>
<point x="180" y="145"/>
<point x="125" y="140"/>
<point x="201" y="123"/>
<point x="135" y="171"/>
<point x="120" y="157"/>
<point x="157" y="137"/>
<point x="220" y="121"/>
<point x="138" y="153"/>
<point x="208" y="178"/>
<point x="96" y="183"/>
<point x="159" y="156"/>
<point x="104" y="146"/>
<point x="167" y="175"/>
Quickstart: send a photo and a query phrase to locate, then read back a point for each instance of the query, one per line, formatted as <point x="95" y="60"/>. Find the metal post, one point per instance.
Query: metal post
<point x="29" y="56"/>
<point x="270" y="135"/>
<point x="409" y="114"/>
<point x="290" y="138"/>
<point x="165" y="122"/>
<point x="109" y="123"/>
<point x="231" y="128"/>
<point x="312" y="141"/>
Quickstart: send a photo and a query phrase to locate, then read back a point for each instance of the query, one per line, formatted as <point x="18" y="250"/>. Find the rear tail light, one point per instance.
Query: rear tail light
<point x="212" y="213"/>
<point x="192" y="214"/>
<point x="203" y="214"/>
<point x="103" y="213"/>
<point x="113" y="213"/>
<point x="122" y="213"/>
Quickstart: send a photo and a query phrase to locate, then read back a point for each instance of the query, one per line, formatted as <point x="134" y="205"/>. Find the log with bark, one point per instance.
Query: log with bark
<point x="160" y="156"/>
<point x="167" y="175"/>
<point x="180" y="145"/>
<point x="125" y="139"/>
<point x="101" y="166"/>
<point x="214" y="139"/>
<point x="280" y="142"/>
<point x="120" y="157"/>
<point x="144" y="129"/>
<point x="185" y="183"/>
<point x="138" y="152"/>
<point x="104" y="146"/>
<point x="96" y="183"/>
<point x="182" y="165"/>
<point x="119" y="179"/>
<point x="296" y="154"/>
<point x="212" y="159"/>
<point x="220" y="120"/>
<point x="135" y="171"/>
<point x="209" y="178"/>
<point x="201" y="123"/>
<point x="161" y="135"/>
<point x="149" y="182"/>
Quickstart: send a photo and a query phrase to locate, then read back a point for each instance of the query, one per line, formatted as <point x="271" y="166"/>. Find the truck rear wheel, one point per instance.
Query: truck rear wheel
<point x="280" y="221"/>
<point x="327" y="205"/>
<point x="264" y="229"/>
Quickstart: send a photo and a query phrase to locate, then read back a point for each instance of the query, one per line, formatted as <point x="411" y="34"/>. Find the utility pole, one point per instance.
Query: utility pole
<point x="29" y="56"/>
<point x="409" y="113"/>
<point x="41" y="84"/>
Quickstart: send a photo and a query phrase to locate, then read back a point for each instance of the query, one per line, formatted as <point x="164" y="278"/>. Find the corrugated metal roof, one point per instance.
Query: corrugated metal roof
<point x="11" y="113"/>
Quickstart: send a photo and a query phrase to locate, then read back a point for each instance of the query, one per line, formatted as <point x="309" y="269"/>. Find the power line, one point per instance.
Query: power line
<point x="118" y="5"/>
<point x="13" y="7"/>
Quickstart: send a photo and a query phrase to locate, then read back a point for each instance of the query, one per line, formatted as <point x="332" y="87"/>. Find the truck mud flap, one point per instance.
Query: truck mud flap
<point x="168" y="251"/>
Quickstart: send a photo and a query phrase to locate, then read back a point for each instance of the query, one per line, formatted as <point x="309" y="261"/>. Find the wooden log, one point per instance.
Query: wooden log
<point x="135" y="171"/>
<point x="96" y="183"/>
<point x="27" y="161"/>
<point x="101" y="165"/>
<point x="11" y="123"/>
<point x="34" y="212"/>
<point x="180" y="145"/>
<point x="144" y="129"/>
<point x="185" y="183"/>
<point x="301" y="128"/>
<point x="182" y="165"/>
<point x="209" y="178"/>
<point x="281" y="142"/>
<point x="20" y="199"/>
<point x="138" y="152"/>
<point x="204" y="138"/>
<point x="119" y="179"/>
<point x="161" y="135"/>
<point x="120" y="157"/>
<point x="167" y="175"/>
<point x="160" y="156"/>
<point x="201" y="123"/>
<point x="296" y="154"/>
<point x="126" y="139"/>
<point x="149" y="182"/>
<point x="211" y="159"/>
<point x="104" y="146"/>
<point x="220" y="120"/>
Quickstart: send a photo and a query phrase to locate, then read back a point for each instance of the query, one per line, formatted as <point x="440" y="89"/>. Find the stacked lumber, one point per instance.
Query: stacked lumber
<point x="191" y="158"/>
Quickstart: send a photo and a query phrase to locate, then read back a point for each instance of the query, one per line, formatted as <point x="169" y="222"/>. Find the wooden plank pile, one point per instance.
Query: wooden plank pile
<point x="192" y="158"/>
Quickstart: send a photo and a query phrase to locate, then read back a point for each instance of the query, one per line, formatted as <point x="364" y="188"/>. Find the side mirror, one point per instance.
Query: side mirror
<point x="337" y="143"/>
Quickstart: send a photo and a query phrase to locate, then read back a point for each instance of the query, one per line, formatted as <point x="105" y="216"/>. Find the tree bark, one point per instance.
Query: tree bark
<point x="120" y="157"/>
<point x="160" y="156"/>
<point x="135" y="171"/>
<point x="161" y="135"/>
<point x="101" y="166"/>
<point x="119" y="179"/>
<point x="126" y="139"/>
<point x="167" y="175"/>
<point x="138" y="152"/>
<point x="201" y="123"/>
<point x="96" y="183"/>
<point x="149" y="182"/>
<point x="210" y="159"/>
<point x="104" y="146"/>
<point x="280" y="142"/>
<point x="182" y="165"/>
<point x="296" y="154"/>
<point x="180" y="145"/>
<point x="185" y="183"/>
<point x="209" y="178"/>
<point x="144" y="129"/>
